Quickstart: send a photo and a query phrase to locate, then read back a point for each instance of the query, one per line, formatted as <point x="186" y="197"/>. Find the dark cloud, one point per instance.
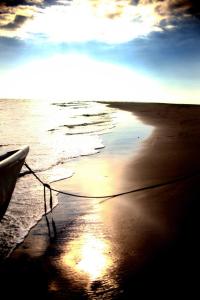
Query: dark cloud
<point x="175" y="7"/>
<point x="191" y="7"/>
<point x="11" y="18"/>
<point x="14" y="3"/>
<point x="18" y="21"/>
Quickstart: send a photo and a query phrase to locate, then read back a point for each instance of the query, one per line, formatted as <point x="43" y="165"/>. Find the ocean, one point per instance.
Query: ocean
<point x="56" y="132"/>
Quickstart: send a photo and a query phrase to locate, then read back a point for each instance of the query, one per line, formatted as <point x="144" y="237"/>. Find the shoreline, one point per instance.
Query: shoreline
<point x="150" y="236"/>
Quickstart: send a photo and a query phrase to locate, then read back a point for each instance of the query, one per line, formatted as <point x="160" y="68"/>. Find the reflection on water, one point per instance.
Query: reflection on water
<point x="91" y="257"/>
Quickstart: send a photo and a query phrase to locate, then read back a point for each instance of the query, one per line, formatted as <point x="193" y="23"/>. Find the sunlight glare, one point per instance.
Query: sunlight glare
<point x="78" y="77"/>
<point x="89" y="255"/>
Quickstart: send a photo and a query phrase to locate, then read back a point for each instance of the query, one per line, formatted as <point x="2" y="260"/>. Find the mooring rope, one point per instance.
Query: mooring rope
<point x="48" y="186"/>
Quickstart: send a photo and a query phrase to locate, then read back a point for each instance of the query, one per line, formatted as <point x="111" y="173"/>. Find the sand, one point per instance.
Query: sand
<point x="135" y="246"/>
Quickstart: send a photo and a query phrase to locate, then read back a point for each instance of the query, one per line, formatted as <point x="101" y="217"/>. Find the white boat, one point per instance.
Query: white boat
<point x="10" y="167"/>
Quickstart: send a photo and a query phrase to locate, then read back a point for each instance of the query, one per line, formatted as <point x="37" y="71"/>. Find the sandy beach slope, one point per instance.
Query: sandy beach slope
<point x="134" y="246"/>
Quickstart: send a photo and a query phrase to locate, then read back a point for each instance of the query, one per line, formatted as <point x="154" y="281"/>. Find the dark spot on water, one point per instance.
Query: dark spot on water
<point x="96" y="285"/>
<point x="51" y="130"/>
<point x="84" y="124"/>
<point x="93" y="115"/>
<point x="68" y="126"/>
<point x="60" y="104"/>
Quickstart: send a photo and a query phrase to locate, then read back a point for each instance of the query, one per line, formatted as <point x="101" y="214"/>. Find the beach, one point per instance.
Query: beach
<point x="133" y="246"/>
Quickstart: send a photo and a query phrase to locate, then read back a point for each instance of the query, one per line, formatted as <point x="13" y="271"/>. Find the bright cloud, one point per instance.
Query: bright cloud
<point x="108" y="21"/>
<point x="83" y="21"/>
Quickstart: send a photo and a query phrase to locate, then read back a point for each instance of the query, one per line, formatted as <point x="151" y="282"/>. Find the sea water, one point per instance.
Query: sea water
<point x="56" y="132"/>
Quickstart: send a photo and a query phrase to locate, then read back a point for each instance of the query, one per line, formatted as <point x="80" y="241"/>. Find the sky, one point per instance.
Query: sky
<point x="123" y="50"/>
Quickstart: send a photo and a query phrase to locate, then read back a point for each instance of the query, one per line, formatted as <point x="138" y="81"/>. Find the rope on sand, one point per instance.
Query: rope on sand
<point x="105" y="197"/>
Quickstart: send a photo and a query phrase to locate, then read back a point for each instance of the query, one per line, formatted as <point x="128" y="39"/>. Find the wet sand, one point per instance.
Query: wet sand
<point x="134" y="246"/>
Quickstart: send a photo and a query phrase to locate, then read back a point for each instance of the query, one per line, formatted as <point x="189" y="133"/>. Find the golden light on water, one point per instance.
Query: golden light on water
<point x="88" y="256"/>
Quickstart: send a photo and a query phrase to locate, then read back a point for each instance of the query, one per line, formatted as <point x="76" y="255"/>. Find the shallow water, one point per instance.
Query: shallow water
<point x="56" y="132"/>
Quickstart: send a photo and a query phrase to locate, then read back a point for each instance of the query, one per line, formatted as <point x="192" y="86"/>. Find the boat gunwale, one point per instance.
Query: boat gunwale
<point x="15" y="156"/>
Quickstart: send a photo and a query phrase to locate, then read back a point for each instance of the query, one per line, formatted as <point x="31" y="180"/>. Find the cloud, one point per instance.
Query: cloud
<point x="111" y="21"/>
<point x="18" y="21"/>
<point x="13" y="18"/>
<point x="15" y="3"/>
<point x="15" y="13"/>
<point x="10" y="9"/>
<point x="173" y="7"/>
<point x="184" y="6"/>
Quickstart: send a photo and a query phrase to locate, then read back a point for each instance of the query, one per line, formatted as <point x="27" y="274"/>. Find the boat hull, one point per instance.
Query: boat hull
<point x="10" y="166"/>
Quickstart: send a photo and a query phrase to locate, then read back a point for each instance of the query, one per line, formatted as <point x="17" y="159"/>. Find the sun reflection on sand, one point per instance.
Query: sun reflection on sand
<point x="88" y="256"/>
